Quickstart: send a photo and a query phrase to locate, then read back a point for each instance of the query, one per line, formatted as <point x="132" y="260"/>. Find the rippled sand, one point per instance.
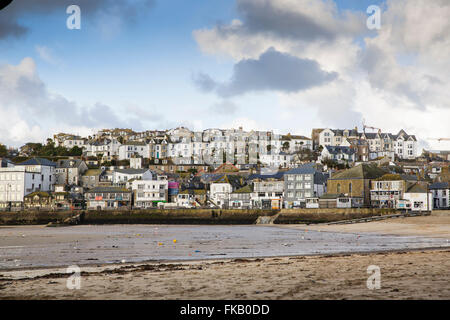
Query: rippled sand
<point x="407" y="275"/>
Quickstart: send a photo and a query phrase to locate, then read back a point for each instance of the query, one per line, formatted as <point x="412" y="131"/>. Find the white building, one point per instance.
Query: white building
<point x="120" y="177"/>
<point x="441" y="195"/>
<point x="380" y="144"/>
<point x="268" y="194"/>
<point x="281" y="160"/>
<point x="108" y="148"/>
<point x="148" y="193"/>
<point x="16" y="182"/>
<point x="219" y="193"/>
<point x="340" y="154"/>
<point x="134" y="149"/>
<point x="419" y="198"/>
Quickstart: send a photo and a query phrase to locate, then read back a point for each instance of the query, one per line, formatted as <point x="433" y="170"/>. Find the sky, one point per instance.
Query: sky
<point x="281" y="65"/>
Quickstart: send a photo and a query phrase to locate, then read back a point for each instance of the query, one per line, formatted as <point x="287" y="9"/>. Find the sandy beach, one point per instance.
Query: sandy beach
<point x="437" y="225"/>
<point x="405" y="274"/>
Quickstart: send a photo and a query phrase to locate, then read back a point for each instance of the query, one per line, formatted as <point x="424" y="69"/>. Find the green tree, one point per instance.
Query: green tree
<point x="3" y="150"/>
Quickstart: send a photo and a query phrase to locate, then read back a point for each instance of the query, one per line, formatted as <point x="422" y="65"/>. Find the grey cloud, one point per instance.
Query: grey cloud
<point x="379" y="66"/>
<point x="9" y="17"/>
<point x="272" y="71"/>
<point x="9" y="27"/>
<point x="261" y="16"/>
<point x="204" y="82"/>
<point x="264" y="17"/>
<point x="224" y="107"/>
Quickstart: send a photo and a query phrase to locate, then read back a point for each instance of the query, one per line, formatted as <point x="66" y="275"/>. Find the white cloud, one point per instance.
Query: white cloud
<point x="399" y="78"/>
<point x="46" y="54"/>
<point x="29" y="112"/>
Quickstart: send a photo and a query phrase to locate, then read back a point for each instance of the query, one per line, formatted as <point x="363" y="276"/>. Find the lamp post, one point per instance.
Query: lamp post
<point x="8" y="189"/>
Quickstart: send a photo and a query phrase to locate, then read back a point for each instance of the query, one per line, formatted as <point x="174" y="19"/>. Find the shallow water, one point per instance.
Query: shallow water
<point x="37" y="246"/>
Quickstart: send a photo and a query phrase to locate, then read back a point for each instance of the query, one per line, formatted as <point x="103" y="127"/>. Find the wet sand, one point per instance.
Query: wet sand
<point x="405" y="273"/>
<point x="38" y="246"/>
<point x="436" y="226"/>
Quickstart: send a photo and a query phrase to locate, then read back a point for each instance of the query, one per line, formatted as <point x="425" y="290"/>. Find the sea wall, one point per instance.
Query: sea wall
<point x="190" y="216"/>
<point x="288" y="216"/>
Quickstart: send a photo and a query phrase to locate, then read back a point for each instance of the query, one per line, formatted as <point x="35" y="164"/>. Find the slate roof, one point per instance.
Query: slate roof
<point x="340" y="149"/>
<point x="304" y="169"/>
<point x="93" y="172"/>
<point x="440" y="185"/>
<point x="131" y="171"/>
<point x="361" y="171"/>
<point x="107" y="190"/>
<point x="416" y="188"/>
<point x="66" y="163"/>
<point x="246" y="189"/>
<point x="38" y="162"/>
<point x="277" y="176"/>
<point x="134" y="143"/>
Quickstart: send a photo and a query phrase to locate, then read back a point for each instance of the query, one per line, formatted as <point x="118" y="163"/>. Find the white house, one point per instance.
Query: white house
<point x="340" y="154"/>
<point x="441" y="195"/>
<point x="219" y="193"/>
<point x="281" y="160"/>
<point x="268" y="194"/>
<point x="148" y="193"/>
<point x="419" y="198"/>
<point x="134" y="149"/>
<point x="121" y="176"/>
<point x="20" y="180"/>
<point x="108" y="148"/>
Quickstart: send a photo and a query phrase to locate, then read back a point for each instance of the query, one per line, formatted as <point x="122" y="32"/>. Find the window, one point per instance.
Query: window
<point x="350" y="187"/>
<point x="338" y="188"/>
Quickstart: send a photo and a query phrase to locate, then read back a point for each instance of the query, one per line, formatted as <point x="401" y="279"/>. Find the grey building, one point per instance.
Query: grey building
<point x="93" y="178"/>
<point x="302" y="183"/>
<point x="69" y="172"/>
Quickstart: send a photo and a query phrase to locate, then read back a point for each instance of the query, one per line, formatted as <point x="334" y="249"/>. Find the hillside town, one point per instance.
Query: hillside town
<point x="116" y="169"/>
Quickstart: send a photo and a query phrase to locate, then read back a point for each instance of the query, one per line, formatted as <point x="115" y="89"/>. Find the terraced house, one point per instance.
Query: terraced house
<point x="302" y="183"/>
<point x="108" y="198"/>
<point x="70" y="171"/>
<point x="354" y="182"/>
<point x="380" y="144"/>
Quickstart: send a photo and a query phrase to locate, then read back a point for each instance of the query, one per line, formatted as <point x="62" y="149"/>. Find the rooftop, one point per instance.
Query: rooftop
<point x="361" y="171"/>
<point x="37" y="162"/>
